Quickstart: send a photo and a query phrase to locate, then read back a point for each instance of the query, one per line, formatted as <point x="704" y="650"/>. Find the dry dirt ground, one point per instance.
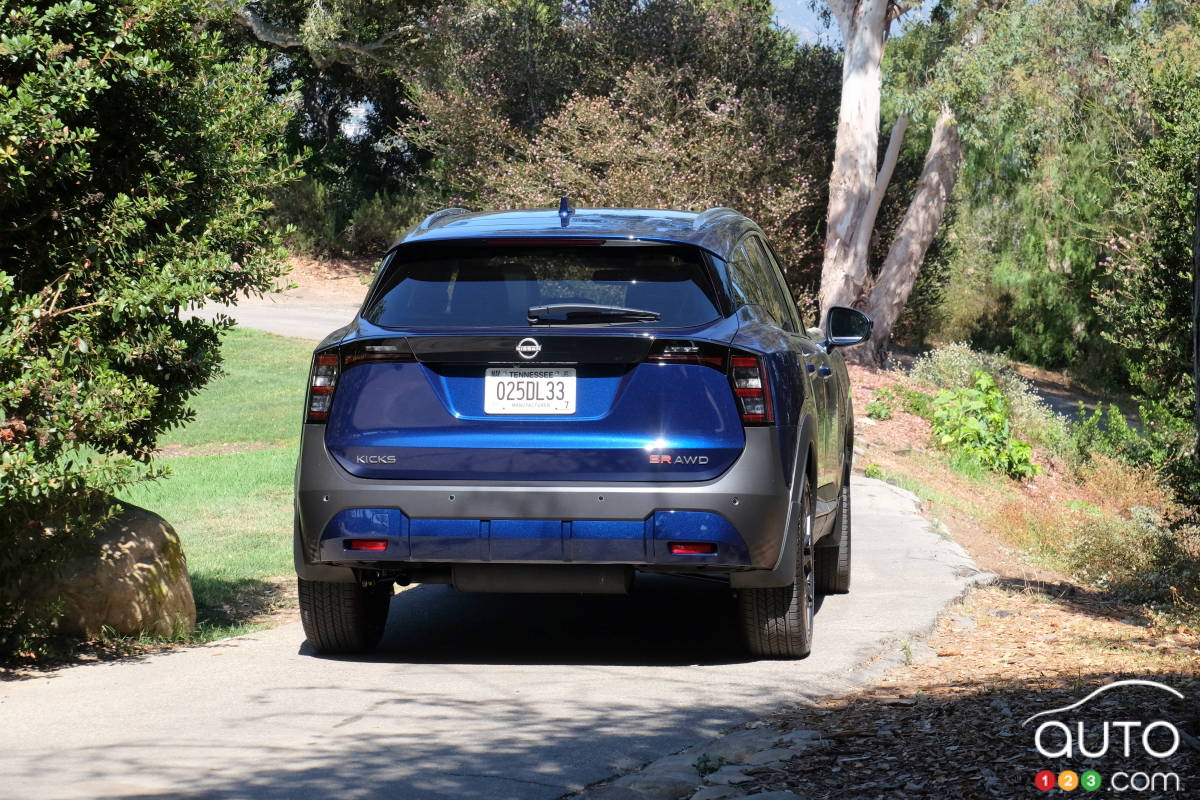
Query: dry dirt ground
<point x="949" y="724"/>
<point x="328" y="279"/>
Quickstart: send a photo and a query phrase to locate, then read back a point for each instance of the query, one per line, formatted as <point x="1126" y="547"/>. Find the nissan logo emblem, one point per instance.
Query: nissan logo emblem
<point x="528" y="348"/>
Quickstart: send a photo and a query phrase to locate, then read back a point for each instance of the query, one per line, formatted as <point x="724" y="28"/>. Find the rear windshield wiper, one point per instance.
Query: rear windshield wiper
<point x="588" y="312"/>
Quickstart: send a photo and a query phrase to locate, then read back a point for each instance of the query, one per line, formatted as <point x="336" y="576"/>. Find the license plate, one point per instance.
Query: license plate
<point x="528" y="390"/>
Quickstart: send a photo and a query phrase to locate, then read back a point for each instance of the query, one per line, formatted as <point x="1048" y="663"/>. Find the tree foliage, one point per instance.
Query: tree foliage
<point x="1073" y="227"/>
<point x="135" y="159"/>
<point x="1145" y="296"/>
<point x="657" y="104"/>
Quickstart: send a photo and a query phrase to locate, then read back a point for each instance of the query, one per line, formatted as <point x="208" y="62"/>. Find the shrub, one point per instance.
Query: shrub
<point x="136" y="160"/>
<point x="322" y="218"/>
<point x="379" y="220"/>
<point x="881" y="403"/>
<point x="1139" y="554"/>
<point x="955" y="365"/>
<point x="1105" y="431"/>
<point x="972" y="423"/>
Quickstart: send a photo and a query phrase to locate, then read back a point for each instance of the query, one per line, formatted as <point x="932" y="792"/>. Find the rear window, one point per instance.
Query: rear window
<point x="494" y="285"/>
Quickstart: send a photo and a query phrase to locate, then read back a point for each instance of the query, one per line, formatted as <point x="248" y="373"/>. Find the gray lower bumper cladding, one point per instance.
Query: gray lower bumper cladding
<point x="344" y="521"/>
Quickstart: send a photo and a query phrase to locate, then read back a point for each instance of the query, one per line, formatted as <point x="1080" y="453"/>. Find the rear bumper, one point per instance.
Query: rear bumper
<point x="742" y="512"/>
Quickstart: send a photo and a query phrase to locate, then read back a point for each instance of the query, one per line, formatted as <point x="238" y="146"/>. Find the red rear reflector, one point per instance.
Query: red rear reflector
<point x="366" y="544"/>
<point x="692" y="548"/>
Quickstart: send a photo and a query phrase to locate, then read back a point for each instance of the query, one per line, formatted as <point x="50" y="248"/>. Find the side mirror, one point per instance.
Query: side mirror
<point x="846" y="326"/>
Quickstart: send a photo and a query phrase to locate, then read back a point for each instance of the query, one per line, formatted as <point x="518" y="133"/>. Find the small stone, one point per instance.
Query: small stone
<point x="740" y="744"/>
<point x="667" y="787"/>
<point x="802" y="737"/>
<point x="729" y="774"/>
<point x="717" y="793"/>
<point x="679" y="763"/>
<point x="767" y="756"/>
<point x="779" y="795"/>
<point x="964" y="622"/>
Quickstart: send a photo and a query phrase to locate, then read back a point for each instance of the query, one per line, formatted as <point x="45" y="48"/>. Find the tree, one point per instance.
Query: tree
<point x="857" y="189"/>
<point x="136" y="158"/>
<point x="669" y="103"/>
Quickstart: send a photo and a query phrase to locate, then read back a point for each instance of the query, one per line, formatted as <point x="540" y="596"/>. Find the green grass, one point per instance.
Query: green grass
<point x="233" y="510"/>
<point x="259" y="399"/>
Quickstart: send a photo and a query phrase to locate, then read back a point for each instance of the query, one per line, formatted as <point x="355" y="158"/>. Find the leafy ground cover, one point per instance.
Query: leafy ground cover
<point x="228" y="493"/>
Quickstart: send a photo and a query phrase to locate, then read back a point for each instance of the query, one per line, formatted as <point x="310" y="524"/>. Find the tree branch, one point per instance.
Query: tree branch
<point x="843" y="12"/>
<point x="866" y="223"/>
<point x="336" y="51"/>
<point x="889" y="295"/>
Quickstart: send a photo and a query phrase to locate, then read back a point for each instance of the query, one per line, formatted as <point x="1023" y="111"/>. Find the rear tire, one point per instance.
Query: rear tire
<point x="778" y="622"/>
<point x="343" y="618"/>
<point x="833" y="561"/>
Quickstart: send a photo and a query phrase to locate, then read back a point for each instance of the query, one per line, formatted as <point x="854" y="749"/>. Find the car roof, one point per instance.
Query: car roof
<point x="716" y="230"/>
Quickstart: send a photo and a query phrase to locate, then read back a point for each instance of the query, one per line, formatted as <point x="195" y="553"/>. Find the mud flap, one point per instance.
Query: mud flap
<point x="318" y="572"/>
<point x="784" y="572"/>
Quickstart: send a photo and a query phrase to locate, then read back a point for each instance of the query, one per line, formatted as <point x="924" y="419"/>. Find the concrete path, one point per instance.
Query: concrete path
<point x="470" y="696"/>
<point x="286" y="315"/>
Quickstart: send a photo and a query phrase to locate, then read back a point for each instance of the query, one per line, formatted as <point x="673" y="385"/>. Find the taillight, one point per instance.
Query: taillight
<point x="327" y="366"/>
<point x="321" y="383"/>
<point x="674" y="351"/>
<point x="376" y="351"/>
<point x="749" y="377"/>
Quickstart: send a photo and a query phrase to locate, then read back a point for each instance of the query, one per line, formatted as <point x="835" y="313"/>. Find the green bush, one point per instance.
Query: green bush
<point x="954" y="367"/>
<point x="972" y="423"/>
<point x="1105" y="431"/>
<point x="136" y="156"/>
<point x="330" y="219"/>
<point x="1145" y="299"/>
<point x="379" y="220"/>
<point x="881" y="404"/>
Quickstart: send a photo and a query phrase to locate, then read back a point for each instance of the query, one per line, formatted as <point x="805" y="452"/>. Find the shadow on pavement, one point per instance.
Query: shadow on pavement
<point x="665" y="621"/>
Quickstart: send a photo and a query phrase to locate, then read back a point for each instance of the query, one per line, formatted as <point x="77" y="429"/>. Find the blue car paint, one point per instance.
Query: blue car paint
<point x="410" y="421"/>
<point x="595" y="451"/>
<point x="533" y="540"/>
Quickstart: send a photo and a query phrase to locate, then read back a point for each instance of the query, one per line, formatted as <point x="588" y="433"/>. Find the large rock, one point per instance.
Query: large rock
<point x="134" y="580"/>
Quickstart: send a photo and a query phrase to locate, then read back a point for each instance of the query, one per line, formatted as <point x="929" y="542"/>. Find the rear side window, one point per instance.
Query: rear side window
<point x="752" y="283"/>
<point x="468" y="285"/>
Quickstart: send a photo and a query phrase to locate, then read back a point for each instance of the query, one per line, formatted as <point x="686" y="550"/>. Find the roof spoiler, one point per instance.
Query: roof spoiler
<point x="705" y="217"/>
<point x="439" y="218"/>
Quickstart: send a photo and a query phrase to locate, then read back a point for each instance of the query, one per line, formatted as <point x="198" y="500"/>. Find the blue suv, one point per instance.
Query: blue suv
<point x="532" y="401"/>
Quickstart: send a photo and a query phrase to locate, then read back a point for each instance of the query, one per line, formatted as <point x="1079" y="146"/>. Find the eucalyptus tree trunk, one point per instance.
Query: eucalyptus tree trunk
<point x="889" y="295"/>
<point x="863" y="24"/>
